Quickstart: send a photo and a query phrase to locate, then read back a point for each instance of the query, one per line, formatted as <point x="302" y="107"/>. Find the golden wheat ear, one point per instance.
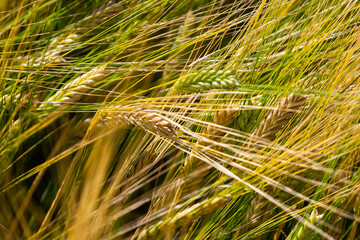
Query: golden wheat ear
<point x="187" y="215"/>
<point x="75" y="89"/>
<point x="267" y="131"/>
<point x="276" y="120"/>
<point x="121" y="116"/>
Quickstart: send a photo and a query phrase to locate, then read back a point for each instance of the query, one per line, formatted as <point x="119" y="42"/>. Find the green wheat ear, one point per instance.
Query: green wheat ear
<point x="304" y="232"/>
<point x="206" y="80"/>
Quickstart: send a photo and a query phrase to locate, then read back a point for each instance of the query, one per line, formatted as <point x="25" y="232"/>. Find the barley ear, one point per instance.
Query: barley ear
<point x="119" y="116"/>
<point x="186" y="215"/>
<point x="303" y="232"/>
<point x="75" y="89"/>
<point x="275" y="121"/>
<point x="205" y="80"/>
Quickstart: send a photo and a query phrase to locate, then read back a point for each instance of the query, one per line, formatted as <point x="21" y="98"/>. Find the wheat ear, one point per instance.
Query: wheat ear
<point x="305" y="233"/>
<point x="187" y="215"/>
<point x="18" y="99"/>
<point x="206" y="80"/>
<point x="120" y="116"/>
<point x="267" y="130"/>
<point x="73" y="90"/>
<point x="277" y="119"/>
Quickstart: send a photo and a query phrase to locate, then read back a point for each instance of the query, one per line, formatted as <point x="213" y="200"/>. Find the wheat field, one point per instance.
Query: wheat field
<point x="185" y="119"/>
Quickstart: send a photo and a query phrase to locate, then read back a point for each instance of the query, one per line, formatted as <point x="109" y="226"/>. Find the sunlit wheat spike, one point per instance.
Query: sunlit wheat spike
<point x="224" y="118"/>
<point x="73" y="90"/>
<point x="206" y="80"/>
<point x="119" y="116"/>
<point x="303" y="232"/>
<point x="186" y="215"/>
<point x="279" y="117"/>
<point x="267" y="130"/>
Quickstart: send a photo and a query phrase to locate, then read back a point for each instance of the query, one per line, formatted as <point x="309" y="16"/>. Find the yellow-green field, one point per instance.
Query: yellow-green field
<point x="187" y="119"/>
